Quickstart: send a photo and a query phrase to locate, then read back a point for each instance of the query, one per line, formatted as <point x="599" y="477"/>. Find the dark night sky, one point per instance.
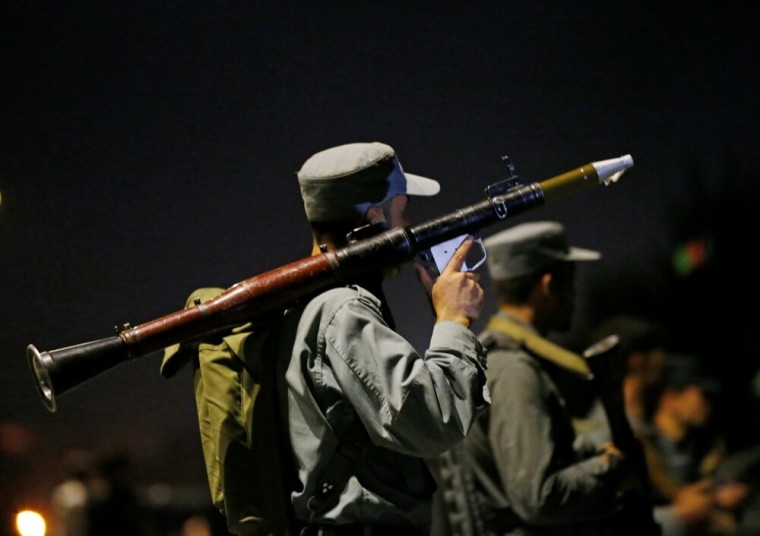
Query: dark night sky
<point x="149" y="148"/>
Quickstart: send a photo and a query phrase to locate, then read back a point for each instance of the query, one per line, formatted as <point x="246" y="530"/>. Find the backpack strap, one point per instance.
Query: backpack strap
<point x="351" y="447"/>
<point x="354" y="441"/>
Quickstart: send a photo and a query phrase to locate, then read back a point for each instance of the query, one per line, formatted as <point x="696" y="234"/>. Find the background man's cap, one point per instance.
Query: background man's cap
<point x="344" y="181"/>
<point x="529" y="248"/>
<point x="685" y="370"/>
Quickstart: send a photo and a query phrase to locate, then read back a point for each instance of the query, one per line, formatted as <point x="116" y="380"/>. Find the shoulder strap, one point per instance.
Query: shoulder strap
<point x="540" y="346"/>
<point x="354" y="440"/>
<point x="351" y="447"/>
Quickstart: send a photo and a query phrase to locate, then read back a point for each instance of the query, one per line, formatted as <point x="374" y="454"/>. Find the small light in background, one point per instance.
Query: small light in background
<point x="690" y="256"/>
<point x="29" y="523"/>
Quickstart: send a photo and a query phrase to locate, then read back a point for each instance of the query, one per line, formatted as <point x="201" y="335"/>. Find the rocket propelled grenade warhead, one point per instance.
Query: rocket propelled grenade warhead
<point x="609" y="171"/>
<point x="593" y="174"/>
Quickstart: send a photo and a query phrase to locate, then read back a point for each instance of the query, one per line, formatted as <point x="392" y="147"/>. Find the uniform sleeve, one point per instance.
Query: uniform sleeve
<point x="419" y="406"/>
<point x="540" y="489"/>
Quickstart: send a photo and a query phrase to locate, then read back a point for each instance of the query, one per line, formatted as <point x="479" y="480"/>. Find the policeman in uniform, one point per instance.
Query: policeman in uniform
<point x="522" y="467"/>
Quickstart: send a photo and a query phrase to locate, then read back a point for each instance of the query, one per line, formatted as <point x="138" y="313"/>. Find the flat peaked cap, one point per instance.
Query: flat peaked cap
<point x="344" y="181"/>
<point x="529" y="248"/>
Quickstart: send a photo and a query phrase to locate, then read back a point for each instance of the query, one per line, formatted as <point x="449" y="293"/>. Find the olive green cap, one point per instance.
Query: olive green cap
<point x="531" y="247"/>
<point x="344" y="181"/>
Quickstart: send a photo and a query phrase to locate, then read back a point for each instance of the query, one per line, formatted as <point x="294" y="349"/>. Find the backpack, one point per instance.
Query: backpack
<point x="241" y="423"/>
<point x="242" y="418"/>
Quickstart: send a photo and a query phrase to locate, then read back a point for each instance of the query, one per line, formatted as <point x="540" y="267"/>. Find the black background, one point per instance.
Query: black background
<point x="149" y="148"/>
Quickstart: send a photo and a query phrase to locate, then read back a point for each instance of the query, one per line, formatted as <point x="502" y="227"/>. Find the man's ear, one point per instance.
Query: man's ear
<point x="375" y="214"/>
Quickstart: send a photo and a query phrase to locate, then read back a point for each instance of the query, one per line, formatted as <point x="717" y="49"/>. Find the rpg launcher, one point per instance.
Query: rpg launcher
<point x="56" y="372"/>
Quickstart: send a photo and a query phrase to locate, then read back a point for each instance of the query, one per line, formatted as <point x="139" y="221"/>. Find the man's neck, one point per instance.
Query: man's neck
<point x="523" y="313"/>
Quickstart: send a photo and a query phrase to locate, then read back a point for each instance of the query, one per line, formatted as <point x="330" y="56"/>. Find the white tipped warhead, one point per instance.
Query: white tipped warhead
<point x="609" y="171"/>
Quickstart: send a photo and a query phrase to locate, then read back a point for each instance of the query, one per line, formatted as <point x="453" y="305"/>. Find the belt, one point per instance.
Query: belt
<point x="362" y="530"/>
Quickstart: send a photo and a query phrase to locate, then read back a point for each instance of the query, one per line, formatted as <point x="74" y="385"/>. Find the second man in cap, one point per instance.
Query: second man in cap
<point x="526" y="473"/>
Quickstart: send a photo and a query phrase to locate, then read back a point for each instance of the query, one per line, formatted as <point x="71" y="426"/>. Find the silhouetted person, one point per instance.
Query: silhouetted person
<point x="685" y="452"/>
<point x="70" y="498"/>
<point x="115" y="508"/>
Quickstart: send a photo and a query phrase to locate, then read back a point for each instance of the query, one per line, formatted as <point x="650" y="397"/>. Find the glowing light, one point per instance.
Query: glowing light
<point x="690" y="256"/>
<point x="29" y="523"/>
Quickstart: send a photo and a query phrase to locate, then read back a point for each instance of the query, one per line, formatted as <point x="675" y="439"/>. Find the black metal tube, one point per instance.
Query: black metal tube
<point x="58" y="371"/>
